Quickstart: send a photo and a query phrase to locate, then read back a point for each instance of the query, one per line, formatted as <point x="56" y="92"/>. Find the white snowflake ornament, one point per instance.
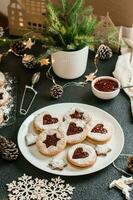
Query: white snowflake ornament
<point x="26" y="188"/>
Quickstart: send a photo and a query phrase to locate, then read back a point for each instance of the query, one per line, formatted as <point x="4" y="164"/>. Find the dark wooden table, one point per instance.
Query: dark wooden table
<point x="88" y="187"/>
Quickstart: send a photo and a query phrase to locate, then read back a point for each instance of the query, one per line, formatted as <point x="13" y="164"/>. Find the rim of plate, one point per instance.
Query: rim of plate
<point x="32" y="159"/>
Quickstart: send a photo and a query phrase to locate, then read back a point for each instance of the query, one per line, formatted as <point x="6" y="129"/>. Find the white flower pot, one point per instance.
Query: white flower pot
<point x="70" y="65"/>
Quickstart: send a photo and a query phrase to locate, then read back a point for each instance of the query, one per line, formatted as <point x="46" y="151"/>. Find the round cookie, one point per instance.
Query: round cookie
<point x="4" y="96"/>
<point x="2" y="79"/>
<point x="82" y="155"/>
<point x="51" y="142"/>
<point x="99" y="132"/>
<point x="75" y="131"/>
<point x="77" y="113"/>
<point x="46" y="121"/>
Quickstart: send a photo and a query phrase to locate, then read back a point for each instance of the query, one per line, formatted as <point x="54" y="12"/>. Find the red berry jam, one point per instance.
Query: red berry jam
<point x="99" y="128"/>
<point x="80" y="153"/>
<point x="106" y="85"/>
<point x="51" y="140"/>
<point x="77" y="115"/>
<point x="73" y="129"/>
<point x="48" y="119"/>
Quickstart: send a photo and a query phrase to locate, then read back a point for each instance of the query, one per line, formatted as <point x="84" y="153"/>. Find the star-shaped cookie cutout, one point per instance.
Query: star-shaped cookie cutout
<point x="44" y="61"/>
<point x="51" y="140"/>
<point x="28" y="44"/>
<point x="90" y="77"/>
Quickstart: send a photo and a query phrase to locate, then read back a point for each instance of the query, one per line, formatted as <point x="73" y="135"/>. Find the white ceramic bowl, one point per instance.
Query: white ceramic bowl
<point x="105" y="95"/>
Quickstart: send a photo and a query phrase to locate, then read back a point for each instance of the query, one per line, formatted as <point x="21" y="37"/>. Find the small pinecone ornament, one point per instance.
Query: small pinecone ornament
<point x="18" y="48"/>
<point x="28" y="61"/>
<point x="130" y="164"/>
<point x="56" y="91"/>
<point x="1" y="32"/>
<point x="104" y="52"/>
<point x="8" y="149"/>
<point x="3" y="142"/>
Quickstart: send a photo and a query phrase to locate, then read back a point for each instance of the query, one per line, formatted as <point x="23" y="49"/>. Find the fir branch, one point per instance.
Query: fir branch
<point x="64" y="5"/>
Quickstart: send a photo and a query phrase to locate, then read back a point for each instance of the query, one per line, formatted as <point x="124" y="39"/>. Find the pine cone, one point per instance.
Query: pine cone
<point x="56" y="91"/>
<point x="28" y="61"/>
<point x="9" y="151"/>
<point x="3" y="142"/>
<point x="130" y="164"/>
<point x="18" y="47"/>
<point x="104" y="52"/>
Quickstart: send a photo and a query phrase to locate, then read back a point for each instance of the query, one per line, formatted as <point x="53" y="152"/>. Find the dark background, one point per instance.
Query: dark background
<point x="88" y="187"/>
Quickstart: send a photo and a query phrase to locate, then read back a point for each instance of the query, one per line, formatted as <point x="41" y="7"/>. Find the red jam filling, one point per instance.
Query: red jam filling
<point x="48" y="119"/>
<point x="51" y="140"/>
<point x="73" y="129"/>
<point x="99" y="128"/>
<point x="77" y="115"/>
<point x="106" y="85"/>
<point x="1" y="95"/>
<point x="80" y="153"/>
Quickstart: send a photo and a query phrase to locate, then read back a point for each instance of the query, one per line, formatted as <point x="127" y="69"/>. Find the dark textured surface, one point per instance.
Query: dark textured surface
<point x="89" y="187"/>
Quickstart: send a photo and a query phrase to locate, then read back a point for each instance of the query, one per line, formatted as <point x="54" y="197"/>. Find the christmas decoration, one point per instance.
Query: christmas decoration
<point x="1" y="32"/>
<point x="3" y="142"/>
<point x="56" y="91"/>
<point x="90" y="77"/>
<point x="25" y="15"/>
<point x="18" y="48"/>
<point x="28" y="44"/>
<point x="123" y="184"/>
<point x="8" y="149"/>
<point x="44" y="62"/>
<point x="28" y="61"/>
<point x="27" y="188"/>
<point x="107" y="33"/>
<point x="130" y="164"/>
<point x="104" y="52"/>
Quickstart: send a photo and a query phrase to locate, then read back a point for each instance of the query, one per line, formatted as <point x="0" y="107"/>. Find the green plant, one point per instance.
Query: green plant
<point x="69" y="26"/>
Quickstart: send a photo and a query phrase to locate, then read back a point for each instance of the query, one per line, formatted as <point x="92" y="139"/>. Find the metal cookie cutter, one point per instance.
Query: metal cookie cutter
<point x="35" y="79"/>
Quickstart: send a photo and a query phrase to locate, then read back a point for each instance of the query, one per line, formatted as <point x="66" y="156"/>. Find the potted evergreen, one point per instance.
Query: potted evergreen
<point x="69" y="35"/>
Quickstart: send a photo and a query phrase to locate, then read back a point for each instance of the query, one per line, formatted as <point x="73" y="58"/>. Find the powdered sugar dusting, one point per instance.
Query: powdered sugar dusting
<point x="9" y="109"/>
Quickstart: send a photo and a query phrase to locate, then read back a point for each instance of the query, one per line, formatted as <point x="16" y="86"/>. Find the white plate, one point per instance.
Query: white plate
<point x="41" y="162"/>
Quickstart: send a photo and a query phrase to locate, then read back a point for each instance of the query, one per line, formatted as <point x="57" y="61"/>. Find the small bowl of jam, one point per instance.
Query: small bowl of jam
<point x="105" y="87"/>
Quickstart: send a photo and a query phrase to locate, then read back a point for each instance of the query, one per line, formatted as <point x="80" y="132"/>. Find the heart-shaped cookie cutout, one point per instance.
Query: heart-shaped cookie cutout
<point x="48" y="119"/>
<point x="80" y="153"/>
<point x="99" y="128"/>
<point x="73" y="129"/>
<point x="77" y="115"/>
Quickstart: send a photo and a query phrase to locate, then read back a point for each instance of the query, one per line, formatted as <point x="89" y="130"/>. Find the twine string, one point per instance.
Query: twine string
<point x="120" y="169"/>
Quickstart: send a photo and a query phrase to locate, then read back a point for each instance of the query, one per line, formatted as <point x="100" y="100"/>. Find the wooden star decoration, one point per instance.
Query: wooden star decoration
<point x="44" y="61"/>
<point x="90" y="77"/>
<point x="28" y="44"/>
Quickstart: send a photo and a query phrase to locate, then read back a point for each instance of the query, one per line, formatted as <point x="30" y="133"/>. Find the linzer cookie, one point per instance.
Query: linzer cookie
<point x="75" y="131"/>
<point x="99" y="132"/>
<point x="51" y="142"/>
<point x="78" y="114"/>
<point x="82" y="155"/>
<point x="45" y="121"/>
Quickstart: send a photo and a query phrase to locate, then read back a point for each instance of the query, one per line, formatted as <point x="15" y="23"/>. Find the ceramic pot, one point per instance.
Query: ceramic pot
<point x="70" y="65"/>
